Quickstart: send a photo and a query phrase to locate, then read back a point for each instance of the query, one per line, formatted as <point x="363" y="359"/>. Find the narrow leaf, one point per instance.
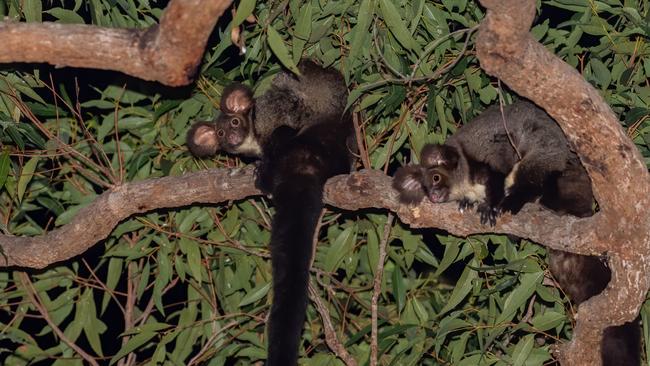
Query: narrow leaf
<point x="547" y="320"/>
<point x="396" y="24"/>
<point x="601" y="72"/>
<point x="255" y="294"/>
<point x="194" y="260"/>
<point x="301" y="32"/>
<point x="519" y="296"/>
<point x="65" y="16"/>
<point x="399" y="292"/>
<point x="32" y="9"/>
<point x="280" y="50"/>
<point x="26" y="176"/>
<point x="522" y="350"/>
<point x="132" y="345"/>
<point x="153" y="326"/>
<point x="339" y="248"/>
<point x="113" y="275"/>
<point x="4" y="168"/>
<point x="360" y="31"/>
<point x="244" y="9"/>
<point x="451" y="252"/>
<point x="462" y="288"/>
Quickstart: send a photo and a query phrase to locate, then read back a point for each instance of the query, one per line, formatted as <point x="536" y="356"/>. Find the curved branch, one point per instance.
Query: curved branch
<point x="169" y="52"/>
<point x="372" y="189"/>
<point x="95" y="222"/>
<point x="506" y="50"/>
<point x="365" y="189"/>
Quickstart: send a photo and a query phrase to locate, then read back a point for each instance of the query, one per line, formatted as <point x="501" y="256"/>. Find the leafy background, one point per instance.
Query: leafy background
<point x="191" y="285"/>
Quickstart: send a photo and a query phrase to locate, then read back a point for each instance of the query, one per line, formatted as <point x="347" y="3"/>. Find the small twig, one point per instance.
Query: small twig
<point x="381" y="55"/>
<point x="330" y="334"/>
<point x="432" y="46"/>
<point x="377" y="289"/>
<point x="27" y="112"/>
<point x="529" y="312"/>
<point x="102" y="285"/>
<point x="392" y="138"/>
<point x="210" y="342"/>
<point x="319" y="225"/>
<point x="361" y="142"/>
<point x="276" y="12"/>
<point x="263" y="214"/>
<point x="411" y="79"/>
<point x="149" y="308"/>
<point x="56" y="104"/>
<point x="503" y="119"/>
<point x="93" y="144"/>
<point x="131" y="289"/>
<point x="118" y="149"/>
<point x="31" y="293"/>
<point x="222" y="334"/>
<point x="88" y="174"/>
<point x="235" y="243"/>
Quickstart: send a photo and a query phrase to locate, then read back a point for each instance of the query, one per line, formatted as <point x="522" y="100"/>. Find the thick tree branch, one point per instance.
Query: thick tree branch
<point x="168" y="53"/>
<point x="95" y="222"/>
<point x="356" y="191"/>
<point x="507" y="50"/>
<point x="372" y="189"/>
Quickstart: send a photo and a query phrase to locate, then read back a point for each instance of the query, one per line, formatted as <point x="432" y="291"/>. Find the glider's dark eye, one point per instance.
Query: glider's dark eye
<point x="436" y="178"/>
<point x="221" y="133"/>
<point x="235" y="122"/>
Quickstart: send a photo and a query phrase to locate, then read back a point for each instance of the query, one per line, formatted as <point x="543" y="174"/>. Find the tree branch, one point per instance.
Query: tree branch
<point x="506" y="50"/>
<point x="34" y="299"/>
<point x="95" y="222"/>
<point x="359" y="190"/>
<point x="330" y="334"/>
<point x="169" y="52"/>
<point x="376" y="291"/>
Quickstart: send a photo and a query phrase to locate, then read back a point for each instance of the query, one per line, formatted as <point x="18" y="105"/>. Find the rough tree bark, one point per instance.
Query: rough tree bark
<point x="169" y="52"/>
<point x="96" y="221"/>
<point x="365" y="189"/>
<point x="506" y="50"/>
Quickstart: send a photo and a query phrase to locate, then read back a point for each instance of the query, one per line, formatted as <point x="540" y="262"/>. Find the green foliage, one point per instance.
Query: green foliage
<point x="191" y="285"/>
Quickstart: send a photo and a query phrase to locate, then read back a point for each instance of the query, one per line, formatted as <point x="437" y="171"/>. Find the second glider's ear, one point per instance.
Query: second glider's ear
<point x="439" y="155"/>
<point x="409" y="181"/>
<point x="236" y="99"/>
<point x="202" y="139"/>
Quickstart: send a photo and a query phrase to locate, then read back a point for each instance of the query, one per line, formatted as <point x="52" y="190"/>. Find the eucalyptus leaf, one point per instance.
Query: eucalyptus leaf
<point x="26" y="175"/>
<point x="65" y="16"/>
<point x="244" y="9"/>
<point x="5" y="164"/>
<point x="461" y="290"/>
<point x="301" y="32"/>
<point x="32" y="9"/>
<point x="280" y="50"/>
<point x="396" y="24"/>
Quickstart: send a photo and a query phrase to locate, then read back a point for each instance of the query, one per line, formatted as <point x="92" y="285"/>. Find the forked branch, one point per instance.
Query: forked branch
<point x="168" y="53"/>
<point x="508" y="51"/>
